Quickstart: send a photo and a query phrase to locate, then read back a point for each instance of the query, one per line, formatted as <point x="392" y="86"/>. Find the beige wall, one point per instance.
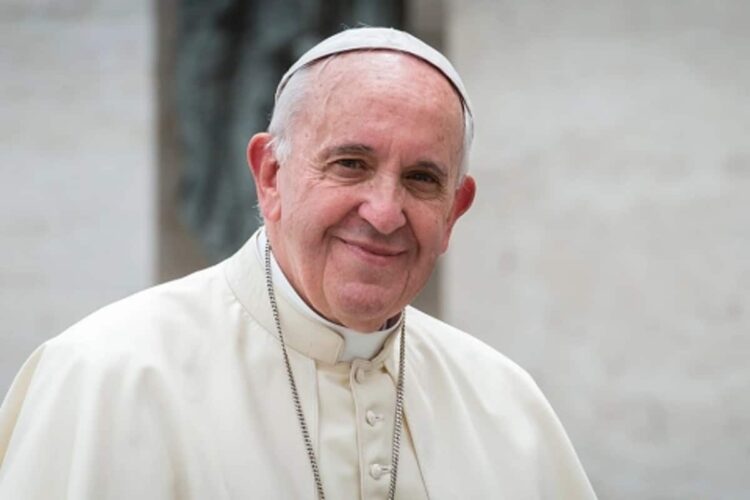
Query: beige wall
<point x="609" y="248"/>
<point x="76" y="165"/>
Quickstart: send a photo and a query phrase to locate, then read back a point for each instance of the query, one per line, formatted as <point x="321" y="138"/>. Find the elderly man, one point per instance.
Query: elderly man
<point x="295" y="369"/>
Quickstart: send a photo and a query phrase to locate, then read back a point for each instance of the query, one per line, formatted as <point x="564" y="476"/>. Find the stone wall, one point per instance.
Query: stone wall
<point x="609" y="248"/>
<point x="76" y="165"/>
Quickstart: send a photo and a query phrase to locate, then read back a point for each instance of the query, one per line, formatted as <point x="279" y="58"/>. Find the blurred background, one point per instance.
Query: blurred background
<point x="608" y="251"/>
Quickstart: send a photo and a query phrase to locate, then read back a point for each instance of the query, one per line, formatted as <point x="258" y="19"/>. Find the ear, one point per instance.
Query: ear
<point x="265" y="167"/>
<point x="461" y="204"/>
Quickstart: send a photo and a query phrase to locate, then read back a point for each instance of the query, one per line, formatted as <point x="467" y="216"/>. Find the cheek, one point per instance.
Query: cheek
<point x="432" y="232"/>
<point x="297" y="201"/>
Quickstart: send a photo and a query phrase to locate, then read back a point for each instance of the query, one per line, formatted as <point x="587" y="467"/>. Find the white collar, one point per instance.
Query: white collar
<point x="362" y="345"/>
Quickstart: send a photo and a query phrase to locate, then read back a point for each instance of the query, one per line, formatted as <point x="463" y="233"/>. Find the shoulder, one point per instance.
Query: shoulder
<point x="145" y="326"/>
<point x="485" y="400"/>
<point x="467" y="361"/>
<point x="128" y="375"/>
<point x="437" y="338"/>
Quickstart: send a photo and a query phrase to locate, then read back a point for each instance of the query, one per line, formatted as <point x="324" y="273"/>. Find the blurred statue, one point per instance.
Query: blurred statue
<point x="230" y="55"/>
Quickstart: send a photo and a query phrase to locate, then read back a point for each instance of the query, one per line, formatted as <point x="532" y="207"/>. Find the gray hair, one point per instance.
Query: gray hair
<point x="290" y="102"/>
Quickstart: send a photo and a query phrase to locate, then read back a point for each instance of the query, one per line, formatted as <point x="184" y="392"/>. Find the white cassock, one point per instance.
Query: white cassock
<point x="180" y="392"/>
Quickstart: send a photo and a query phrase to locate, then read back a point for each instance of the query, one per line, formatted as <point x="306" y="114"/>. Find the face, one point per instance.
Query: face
<point x="364" y="205"/>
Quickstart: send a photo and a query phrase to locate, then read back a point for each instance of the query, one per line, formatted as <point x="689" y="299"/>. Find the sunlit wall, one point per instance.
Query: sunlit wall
<point x="76" y="165"/>
<point x="609" y="248"/>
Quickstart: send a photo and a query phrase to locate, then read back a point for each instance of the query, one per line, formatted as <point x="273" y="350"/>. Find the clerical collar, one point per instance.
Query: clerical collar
<point x="362" y="345"/>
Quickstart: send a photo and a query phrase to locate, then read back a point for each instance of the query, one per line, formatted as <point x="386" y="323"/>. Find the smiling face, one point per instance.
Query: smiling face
<point x="365" y="202"/>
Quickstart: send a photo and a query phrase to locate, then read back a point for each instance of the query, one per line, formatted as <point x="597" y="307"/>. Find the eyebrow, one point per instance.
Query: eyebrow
<point x="348" y="149"/>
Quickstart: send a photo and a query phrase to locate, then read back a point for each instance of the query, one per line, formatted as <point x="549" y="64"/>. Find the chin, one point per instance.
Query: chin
<point x="366" y="305"/>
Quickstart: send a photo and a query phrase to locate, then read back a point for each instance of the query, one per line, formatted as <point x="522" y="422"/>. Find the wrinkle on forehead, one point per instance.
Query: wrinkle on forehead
<point x="402" y="77"/>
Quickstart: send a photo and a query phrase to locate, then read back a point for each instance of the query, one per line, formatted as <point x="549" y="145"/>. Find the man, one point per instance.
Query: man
<point x="295" y="369"/>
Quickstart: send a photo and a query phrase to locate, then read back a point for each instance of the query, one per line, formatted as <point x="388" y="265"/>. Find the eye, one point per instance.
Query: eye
<point x="424" y="183"/>
<point x="350" y="169"/>
<point x="426" y="177"/>
<point x="351" y="163"/>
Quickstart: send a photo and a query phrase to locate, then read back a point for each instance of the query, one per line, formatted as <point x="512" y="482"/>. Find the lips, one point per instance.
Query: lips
<point x="374" y="249"/>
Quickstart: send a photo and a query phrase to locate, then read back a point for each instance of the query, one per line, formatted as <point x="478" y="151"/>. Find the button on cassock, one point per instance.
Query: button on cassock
<point x="373" y="418"/>
<point x="378" y="470"/>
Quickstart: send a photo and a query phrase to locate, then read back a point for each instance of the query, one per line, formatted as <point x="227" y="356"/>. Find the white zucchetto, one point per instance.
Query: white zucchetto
<point x="381" y="39"/>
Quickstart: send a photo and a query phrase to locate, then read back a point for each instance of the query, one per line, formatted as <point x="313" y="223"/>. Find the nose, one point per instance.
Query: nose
<point x="383" y="207"/>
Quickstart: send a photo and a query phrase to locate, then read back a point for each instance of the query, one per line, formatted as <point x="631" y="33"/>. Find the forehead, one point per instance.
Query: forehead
<point x="380" y="93"/>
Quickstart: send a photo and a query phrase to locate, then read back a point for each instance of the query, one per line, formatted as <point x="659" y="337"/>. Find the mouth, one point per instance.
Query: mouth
<point x="374" y="251"/>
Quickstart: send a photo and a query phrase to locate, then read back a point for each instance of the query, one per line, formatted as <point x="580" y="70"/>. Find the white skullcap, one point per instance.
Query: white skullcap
<point x="384" y="39"/>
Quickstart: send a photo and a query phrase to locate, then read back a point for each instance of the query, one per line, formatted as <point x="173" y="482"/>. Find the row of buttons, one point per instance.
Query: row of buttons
<point x="372" y="418"/>
<point x="376" y="470"/>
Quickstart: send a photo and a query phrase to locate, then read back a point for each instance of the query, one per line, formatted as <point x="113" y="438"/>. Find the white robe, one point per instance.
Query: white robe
<point x="179" y="392"/>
